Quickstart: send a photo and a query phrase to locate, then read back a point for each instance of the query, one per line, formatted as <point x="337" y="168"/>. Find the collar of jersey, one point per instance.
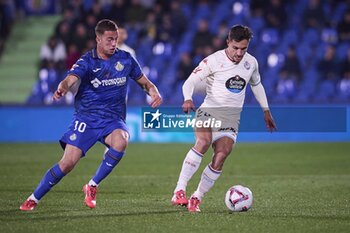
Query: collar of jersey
<point x="94" y="53"/>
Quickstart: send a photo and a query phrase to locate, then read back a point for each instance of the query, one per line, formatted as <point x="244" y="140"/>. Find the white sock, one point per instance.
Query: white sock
<point x="92" y="183"/>
<point x="32" y="197"/>
<point x="208" y="178"/>
<point x="189" y="167"/>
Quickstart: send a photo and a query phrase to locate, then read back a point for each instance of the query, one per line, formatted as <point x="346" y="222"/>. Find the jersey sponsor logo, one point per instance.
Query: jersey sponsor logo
<point x="235" y="84"/>
<point x="96" y="83"/>
<point x="119" y="66"/>
<point x="108" y="82"/>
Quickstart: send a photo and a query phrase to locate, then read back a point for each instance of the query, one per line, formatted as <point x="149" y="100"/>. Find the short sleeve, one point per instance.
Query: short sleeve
<point x="80" y="68"/>
<point x="136" y="71"/>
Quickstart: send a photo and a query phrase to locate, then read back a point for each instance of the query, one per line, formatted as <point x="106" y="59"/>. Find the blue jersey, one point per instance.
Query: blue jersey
<point x="103" y="89"/>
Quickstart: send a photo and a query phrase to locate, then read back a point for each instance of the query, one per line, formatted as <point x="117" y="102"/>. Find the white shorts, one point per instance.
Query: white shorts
<point x="229" y="122"/>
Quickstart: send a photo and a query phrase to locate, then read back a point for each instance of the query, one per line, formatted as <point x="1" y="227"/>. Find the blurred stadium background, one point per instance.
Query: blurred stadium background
<point x="303" y="49"/>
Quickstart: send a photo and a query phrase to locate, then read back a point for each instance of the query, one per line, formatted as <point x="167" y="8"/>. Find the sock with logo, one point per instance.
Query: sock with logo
<point x="190" y="165"/>
<point x="110" y="159"/>
<point x="50" y="179"/>
<point x="208" y="178"/>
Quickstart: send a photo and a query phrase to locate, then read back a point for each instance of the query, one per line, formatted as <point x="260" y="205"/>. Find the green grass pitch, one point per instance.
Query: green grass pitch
<point x="297" y="187"/>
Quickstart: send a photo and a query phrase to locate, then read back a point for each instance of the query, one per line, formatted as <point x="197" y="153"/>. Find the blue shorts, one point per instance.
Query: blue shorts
<point x="84" y="131"/>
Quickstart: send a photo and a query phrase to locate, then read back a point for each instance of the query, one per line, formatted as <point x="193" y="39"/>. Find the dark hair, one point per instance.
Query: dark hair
<point x="239" y="33"/>
<point x="105" y="25"/>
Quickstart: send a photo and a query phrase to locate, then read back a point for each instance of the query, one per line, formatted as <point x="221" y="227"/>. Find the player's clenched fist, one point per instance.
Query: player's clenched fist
<point x="59" y="93"/>
<point x="64" y="86"/>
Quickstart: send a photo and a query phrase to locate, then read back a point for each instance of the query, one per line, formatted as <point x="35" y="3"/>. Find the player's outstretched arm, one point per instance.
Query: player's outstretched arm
<point x="64" y="86"/>
<point x="151" y="90"/>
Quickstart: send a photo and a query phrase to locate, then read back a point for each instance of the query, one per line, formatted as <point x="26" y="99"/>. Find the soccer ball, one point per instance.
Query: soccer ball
<point x="239" y="198"/>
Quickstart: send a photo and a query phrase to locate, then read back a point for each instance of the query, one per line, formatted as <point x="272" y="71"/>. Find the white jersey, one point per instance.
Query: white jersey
<point x="128" y="49"/>
<point x="226" y="81"/>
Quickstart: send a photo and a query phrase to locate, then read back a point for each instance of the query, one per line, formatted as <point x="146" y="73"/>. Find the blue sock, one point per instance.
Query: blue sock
<point x="51" y="178"/>
<point x="110" y="160"/>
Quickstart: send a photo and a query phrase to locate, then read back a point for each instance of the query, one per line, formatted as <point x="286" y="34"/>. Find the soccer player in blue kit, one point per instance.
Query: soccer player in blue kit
<point x="103" y="75"/>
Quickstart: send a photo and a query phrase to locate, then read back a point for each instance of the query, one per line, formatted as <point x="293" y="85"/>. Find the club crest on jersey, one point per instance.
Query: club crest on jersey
<point x="119" y="66"/>
<point x="247" y="65"/>
<point x="235" y="84"/>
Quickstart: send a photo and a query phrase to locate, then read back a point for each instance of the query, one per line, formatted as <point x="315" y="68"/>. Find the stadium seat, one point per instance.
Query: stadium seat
<point x="311" y="36"/>
<point x="270" y="36"/>
<point x="326" y="91"/>
<point x="342" y="50"/>
<point x="160" y="59"/>
<point x="290" y="36"/>
<point x="256" y="24"/>
<point x="339" y="11"/>
<point x="203" y="11"/>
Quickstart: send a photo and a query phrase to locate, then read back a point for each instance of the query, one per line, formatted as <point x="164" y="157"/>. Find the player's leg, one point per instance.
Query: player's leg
<point x="53" y="176"/>
<point x="117" y="141"/>
<point x="222" y="148"/>
<point x="191" y="164"/>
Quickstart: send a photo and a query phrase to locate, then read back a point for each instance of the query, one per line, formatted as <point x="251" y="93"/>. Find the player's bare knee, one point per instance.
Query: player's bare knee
<point x="120" y="144"/>
<point x="118" y="140"/>
<point x="202" y="144"/>
<point x="66" y="166"/>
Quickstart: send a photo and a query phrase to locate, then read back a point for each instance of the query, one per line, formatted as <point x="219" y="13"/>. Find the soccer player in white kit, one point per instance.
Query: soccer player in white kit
<point x="226" y="73"/>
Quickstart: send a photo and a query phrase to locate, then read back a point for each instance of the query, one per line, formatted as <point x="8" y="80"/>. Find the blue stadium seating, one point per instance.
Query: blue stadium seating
<point x="310" y="45"/>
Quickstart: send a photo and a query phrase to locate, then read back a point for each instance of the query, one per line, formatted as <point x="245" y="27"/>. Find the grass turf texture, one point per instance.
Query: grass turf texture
<point x="296" y="187"/>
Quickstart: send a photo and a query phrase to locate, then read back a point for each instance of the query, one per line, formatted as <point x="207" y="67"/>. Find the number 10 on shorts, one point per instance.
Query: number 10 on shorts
<point x="80" y="126"/>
